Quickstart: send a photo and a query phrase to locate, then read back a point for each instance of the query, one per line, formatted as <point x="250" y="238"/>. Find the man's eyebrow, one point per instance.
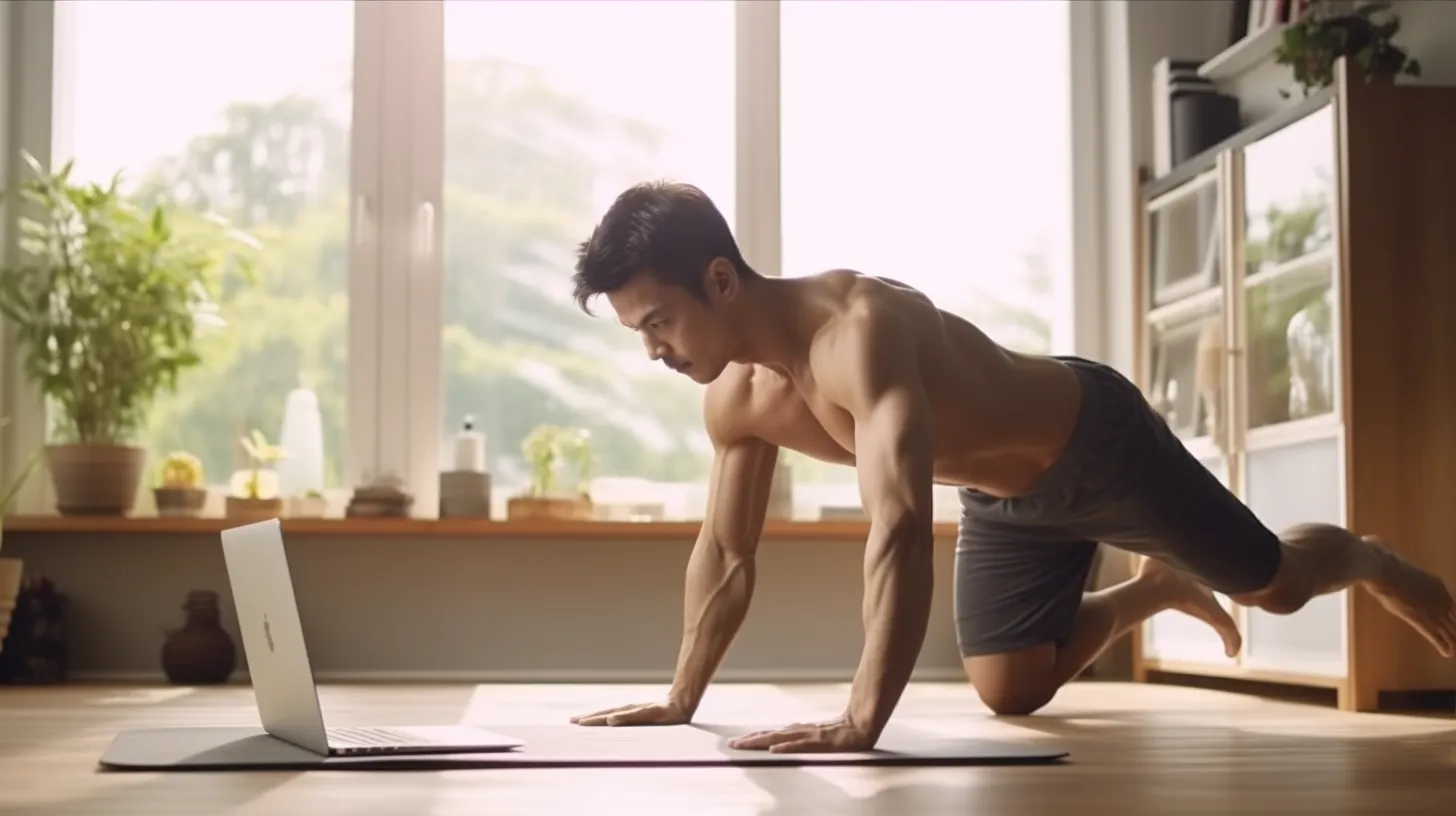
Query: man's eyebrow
<point x="652" y="314"/>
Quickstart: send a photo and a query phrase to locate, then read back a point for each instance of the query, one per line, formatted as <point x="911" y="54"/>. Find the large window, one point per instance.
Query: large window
<point x="242" y="109"/>
<point x="421" y="173"/>
<point x="545" y="123"/>
<point x="940" y="165"/>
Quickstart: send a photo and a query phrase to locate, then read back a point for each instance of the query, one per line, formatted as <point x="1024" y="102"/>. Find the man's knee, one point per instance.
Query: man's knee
<point x="1015" y="683"/>
<point x="1293" y="584"/>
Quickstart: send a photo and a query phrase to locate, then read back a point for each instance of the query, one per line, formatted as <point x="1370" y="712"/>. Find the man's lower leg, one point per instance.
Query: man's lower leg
<point x="1108" y="614"/>
<point x="1322" y="558"/>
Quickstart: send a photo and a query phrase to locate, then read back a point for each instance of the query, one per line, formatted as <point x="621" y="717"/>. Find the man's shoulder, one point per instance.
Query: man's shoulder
<point x="734" y="402"/>
<point x="873" y="314"/>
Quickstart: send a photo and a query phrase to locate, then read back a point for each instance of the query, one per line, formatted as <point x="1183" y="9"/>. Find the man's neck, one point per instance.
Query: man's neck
<point x="778" y="317"/>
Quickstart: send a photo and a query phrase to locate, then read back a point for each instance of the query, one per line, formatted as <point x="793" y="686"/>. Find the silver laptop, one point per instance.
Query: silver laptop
<point x="282" y="677"/>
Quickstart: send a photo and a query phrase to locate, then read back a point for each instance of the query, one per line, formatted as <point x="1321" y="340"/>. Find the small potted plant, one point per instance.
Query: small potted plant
<point x="181" y="492"/>
<point x="1327" y="33"/>
<point x="105" y="300"/>
<point x="253" y="493"/>
<point x="11" y="569"/>
<point x="546" y="449"/>
<point x="310" y="504"/>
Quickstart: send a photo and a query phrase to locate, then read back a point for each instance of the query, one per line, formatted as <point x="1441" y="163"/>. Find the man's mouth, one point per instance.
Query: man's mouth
<point x="679" y="365"/>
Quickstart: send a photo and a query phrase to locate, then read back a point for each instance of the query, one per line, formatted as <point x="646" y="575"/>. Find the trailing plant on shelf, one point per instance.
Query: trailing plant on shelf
<point x="105" y="301"/>
<point x="1329" y="31"/>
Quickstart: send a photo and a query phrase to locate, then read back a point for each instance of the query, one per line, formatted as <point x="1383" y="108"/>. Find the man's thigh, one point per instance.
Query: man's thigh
<point x="1173" y="508"/>
<point x="1128" y="481"/>
<point x="1016" y="586"/>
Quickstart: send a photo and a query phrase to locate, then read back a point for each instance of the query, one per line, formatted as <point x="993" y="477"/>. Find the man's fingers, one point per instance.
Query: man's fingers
<point x="600" y="717"/>
<point x="799" y="746"/>
<point x="643" y="715"/>
<point x="767" y="739"/>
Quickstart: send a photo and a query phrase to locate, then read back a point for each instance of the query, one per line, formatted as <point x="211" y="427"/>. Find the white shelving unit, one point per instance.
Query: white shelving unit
<point x="1244" y="55"/>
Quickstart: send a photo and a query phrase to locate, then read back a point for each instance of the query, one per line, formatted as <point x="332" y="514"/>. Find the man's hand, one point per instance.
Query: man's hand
<point x="637" y="714"/>
<point x="835" y="736"/>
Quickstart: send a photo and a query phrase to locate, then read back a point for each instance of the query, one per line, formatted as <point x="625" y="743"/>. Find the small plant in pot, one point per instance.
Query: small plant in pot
<point x="105" y="302"/>
<point x="1328" y="32"/>
<point x="253" y="493"/>
<point x="181" y="493"/>
<point x="546" y="449"/>
<point x="309" y="504"/>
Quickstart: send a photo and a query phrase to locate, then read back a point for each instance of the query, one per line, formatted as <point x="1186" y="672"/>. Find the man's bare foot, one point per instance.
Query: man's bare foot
<point x="1192" y="598"/>
<point x="1415" y="596"/>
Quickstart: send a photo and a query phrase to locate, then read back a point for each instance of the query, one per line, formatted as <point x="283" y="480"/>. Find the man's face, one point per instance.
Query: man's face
<point x="689" y="336"/>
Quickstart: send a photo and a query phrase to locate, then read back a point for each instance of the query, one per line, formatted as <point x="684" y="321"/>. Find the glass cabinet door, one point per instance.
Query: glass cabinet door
<point x="1288" y="283"/>
<point x="1186" y="338"/>
<point x="1185" y="243"/>
<point x="1187" y="367"/>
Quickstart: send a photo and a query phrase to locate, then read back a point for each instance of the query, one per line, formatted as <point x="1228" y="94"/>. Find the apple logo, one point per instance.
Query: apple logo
<point x="268" y="633"/>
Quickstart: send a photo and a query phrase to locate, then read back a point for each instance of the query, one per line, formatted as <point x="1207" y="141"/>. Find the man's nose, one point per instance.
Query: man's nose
<point x="655" y="350"/>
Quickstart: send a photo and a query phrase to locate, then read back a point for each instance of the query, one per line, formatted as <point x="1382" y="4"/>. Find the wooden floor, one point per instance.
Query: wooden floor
<point x="1154" y="750"/>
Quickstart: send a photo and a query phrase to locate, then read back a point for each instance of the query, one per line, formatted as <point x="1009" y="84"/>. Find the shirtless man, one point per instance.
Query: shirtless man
<point x="1051" y="454"/>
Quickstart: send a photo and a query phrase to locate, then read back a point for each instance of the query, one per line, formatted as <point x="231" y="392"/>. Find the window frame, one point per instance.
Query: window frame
<point x="395" y="391"/>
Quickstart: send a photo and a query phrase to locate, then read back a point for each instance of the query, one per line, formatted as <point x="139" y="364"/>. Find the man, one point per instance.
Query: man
<point x="1051" y="454"/>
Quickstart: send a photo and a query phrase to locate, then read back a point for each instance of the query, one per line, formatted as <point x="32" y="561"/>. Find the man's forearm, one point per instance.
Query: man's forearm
<point x="719" y="586"/>
<point x="899" y="582"/>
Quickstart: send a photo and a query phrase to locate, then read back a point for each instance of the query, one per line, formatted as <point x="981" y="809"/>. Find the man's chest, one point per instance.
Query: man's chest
<point x="827" y="412"/>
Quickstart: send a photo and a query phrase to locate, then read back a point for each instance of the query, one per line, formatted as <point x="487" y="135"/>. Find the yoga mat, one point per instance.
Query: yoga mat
<point x="566" y="745"/>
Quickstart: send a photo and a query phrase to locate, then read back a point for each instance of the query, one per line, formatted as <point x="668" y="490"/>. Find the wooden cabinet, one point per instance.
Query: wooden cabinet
<point x="1294" y="287"/>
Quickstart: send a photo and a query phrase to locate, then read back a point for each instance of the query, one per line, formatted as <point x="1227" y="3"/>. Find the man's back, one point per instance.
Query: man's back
<point x="1000" y="417"/>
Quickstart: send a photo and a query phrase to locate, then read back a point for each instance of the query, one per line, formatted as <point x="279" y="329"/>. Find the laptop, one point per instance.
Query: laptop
<point x="282" y="677"/>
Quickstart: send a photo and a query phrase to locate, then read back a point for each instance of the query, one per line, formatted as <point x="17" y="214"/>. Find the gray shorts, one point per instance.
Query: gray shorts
<point x="1126" y="481"/>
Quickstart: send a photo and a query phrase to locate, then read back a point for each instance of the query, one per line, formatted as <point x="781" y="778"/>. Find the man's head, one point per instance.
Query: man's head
<point x="666" y="260"/>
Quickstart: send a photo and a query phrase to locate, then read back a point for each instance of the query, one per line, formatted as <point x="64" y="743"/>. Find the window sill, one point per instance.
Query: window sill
<point x="446" y="528"/>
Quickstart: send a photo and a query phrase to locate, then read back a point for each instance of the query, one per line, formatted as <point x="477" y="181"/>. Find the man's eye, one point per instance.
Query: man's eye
<point x="656" y="324"/>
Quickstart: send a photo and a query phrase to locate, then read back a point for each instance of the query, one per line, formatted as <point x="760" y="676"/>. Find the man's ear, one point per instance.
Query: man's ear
<point x="721" y="281"/>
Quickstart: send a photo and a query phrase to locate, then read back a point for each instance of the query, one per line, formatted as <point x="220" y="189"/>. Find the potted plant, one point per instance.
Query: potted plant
<point x="11" y="569"/>
<point x="105" y="301"/>
<point x="546" y="449"/>
<point x="181" y="492"/>
<point x="253" y="493"/>
<point x="310" y="504"/>
<point x="1326" y="33"/>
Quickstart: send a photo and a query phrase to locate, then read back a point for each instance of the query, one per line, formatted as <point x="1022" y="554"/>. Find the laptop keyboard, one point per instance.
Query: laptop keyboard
<point x="370" y="738"/>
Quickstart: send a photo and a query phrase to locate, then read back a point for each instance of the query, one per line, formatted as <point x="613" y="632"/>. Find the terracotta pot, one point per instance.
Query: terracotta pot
<point x="557" y="508"/>
<point x="10" y="571"/>
<point x="251" y="510"/>
<point x="95" y="480"/>
<point x="201" y="652"/>
<point x="179" y="502"/>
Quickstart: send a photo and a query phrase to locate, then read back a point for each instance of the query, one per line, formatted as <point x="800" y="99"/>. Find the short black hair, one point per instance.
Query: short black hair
<point x="670" y="229"/>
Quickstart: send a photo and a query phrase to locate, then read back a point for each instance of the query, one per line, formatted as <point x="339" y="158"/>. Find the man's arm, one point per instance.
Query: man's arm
<point x="879" y="383"/>
<point x="720" y="572"/>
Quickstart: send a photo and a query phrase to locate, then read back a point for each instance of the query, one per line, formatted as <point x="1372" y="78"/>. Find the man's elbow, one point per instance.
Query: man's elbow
<point x="902" y="526"/>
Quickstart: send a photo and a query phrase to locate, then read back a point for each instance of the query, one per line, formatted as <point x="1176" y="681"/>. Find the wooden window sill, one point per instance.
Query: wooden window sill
<point x="446" y="528"/>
